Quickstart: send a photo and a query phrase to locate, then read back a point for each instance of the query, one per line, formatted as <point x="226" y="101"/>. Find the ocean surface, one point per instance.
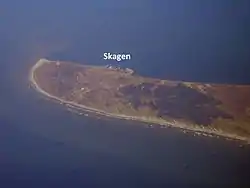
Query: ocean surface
<point x="44" y="145"/>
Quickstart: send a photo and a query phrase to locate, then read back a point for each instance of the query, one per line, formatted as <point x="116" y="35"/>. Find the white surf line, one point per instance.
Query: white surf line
<point x="120" y="116"/>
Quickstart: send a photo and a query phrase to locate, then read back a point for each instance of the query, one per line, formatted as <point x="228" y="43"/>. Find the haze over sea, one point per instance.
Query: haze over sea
<point x="44" y="145"/>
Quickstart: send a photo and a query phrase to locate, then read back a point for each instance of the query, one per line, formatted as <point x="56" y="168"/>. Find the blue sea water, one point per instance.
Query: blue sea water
<point x="44" y="145"/>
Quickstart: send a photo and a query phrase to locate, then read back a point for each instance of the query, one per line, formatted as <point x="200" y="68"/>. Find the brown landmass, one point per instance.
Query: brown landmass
<point x="220" y="109"/>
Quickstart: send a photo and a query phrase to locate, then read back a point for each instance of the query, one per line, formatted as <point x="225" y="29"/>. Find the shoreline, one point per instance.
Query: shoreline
<point x="198" y="130"/>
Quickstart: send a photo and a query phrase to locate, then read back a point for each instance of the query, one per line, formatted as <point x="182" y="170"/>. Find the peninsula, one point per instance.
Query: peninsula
<point x="217" y="109"/>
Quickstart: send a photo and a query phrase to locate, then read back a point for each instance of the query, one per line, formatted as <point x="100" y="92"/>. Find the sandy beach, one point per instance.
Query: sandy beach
<point x="200" y="130"/>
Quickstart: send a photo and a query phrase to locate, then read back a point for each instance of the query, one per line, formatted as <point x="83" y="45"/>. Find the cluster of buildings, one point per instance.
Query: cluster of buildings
<point x="126" y="70"/>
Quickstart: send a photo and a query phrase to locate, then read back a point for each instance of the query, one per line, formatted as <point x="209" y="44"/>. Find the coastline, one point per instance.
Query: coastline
<point x="192" y="128"/>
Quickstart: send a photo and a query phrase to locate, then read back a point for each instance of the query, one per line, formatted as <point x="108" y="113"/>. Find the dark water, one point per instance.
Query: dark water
<point x="43" y="145"/>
